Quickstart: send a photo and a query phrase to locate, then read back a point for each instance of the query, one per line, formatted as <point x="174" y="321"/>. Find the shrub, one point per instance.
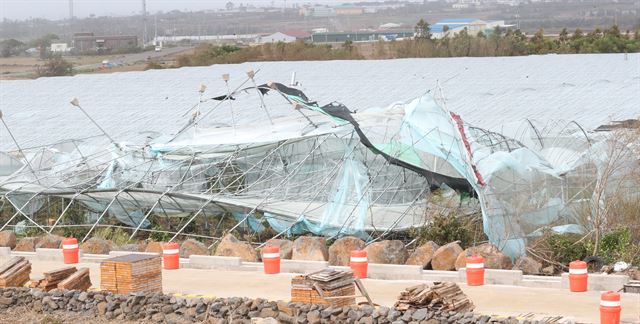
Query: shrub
<point x="565" y="248"/>
<point x="450" y="227"/>
<point x="154" y="65"/>
<point x="115" y="234"/>
<point x="618" y="245"/>
<point x="55" y="66"/>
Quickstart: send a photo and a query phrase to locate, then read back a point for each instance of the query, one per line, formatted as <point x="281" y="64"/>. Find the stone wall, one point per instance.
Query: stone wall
<point x="161" y="308"/>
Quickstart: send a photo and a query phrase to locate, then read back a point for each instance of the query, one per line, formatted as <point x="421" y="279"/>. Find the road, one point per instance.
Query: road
<point x="128" y="59"/>
<point x="489" y="299"/>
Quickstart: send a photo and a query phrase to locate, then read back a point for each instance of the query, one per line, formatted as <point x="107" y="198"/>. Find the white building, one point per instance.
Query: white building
<point x="60" y="47"/>
<point x="277" y="37"/>
<point x="451" y="27"/>
<point x="317" y="11"/>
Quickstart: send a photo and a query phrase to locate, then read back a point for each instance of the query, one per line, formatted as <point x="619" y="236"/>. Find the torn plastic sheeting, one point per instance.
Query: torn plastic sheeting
<point x="129" y="216"/>
<point x="26" y="202"/>
<point x="249" y="221"/>
<point x="347" y="208"/>
<point x="561" y="229"/>
<point x="428" y="128"/>
<point x="522" y="161"/>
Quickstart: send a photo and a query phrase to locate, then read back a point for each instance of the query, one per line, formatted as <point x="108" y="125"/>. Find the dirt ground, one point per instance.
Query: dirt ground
<point x="24" y="67"/>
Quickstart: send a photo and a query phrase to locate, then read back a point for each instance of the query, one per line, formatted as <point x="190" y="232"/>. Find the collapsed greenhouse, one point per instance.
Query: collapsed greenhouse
<point x="271" y="155"/>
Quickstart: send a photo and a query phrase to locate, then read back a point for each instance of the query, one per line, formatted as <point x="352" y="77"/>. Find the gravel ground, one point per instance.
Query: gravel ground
<point x="28" y="316"/>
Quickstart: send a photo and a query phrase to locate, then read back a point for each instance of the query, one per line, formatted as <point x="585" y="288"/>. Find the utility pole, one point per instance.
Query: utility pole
<point x="155" y="38"/>
<point x="70" y="11"/>
<point x="71" y="19"/>
<point x="144" y="22"/>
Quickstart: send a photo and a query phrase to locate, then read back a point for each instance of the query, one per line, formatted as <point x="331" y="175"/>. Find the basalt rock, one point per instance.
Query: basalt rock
<point x="340" y="250"/>
<point x="231" y="246"/>
<point x="387" y="252"/>
<point x="310" y="248"/>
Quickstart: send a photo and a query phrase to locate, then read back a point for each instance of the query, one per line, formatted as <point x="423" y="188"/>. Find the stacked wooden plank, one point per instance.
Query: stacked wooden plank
<point x="442" y="295"/>
<point x="131" y="273"/>
<point x="15" y="272"/>
<point x="326" y="287"/>
<point x="52" y="278"/>
<point x="79" y="280"/>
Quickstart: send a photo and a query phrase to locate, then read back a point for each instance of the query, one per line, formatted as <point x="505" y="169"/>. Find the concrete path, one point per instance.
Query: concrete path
<point x="489" y="299"/>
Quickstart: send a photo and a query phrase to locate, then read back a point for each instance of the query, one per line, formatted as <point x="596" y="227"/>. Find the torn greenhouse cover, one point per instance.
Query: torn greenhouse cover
<point x="324" y="169"/>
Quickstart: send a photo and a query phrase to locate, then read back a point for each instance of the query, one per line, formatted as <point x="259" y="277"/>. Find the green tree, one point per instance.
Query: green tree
<point x="10" y="47"/>
<point x="577" y="34"/>
<point x="422" y="29"/>
<point x="564" y="36"/>
<point x="348" y="45"/>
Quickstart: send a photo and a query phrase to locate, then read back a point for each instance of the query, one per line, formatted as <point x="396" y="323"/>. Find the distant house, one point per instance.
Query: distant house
<point x="349" y="10"/>
<point x="60" y="47"/>
<point x="317" y="11"/>
<point x="88" y="42"/>
<point x="451" y="27"/>
<point x="284" y="37"/>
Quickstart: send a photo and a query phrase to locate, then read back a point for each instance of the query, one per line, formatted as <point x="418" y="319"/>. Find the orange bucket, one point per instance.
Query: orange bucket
<point x="578" y="276"/>
<point x="271" y="259"/>
<point x="171" y="255"/>
<point x="475" y="270"/>
<point x="359" y="263"/>
<point x="610" y="308"/>
<point x="70" y="250"/>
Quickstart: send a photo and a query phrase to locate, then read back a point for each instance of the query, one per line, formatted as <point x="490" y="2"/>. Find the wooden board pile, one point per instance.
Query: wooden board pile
<point x="131" y="273"/>
<point x="15" y="272"/>
<point x="79" y="280"/>
<point x="442" y="295"/>
<point x="52" y="278"/>
<point x="325" y="287"/>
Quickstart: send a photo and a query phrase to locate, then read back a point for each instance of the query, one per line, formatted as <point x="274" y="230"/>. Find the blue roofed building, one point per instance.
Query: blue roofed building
<point x="453" y="26"/>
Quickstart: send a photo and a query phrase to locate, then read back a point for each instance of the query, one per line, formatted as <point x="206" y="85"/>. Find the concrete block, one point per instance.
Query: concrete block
<point x="441" y="276"/>
<point x="27" y="255"/>
<point x="301" y="266"/>
<point x="252" y="266"/>
<point x="49" y="255"/>
<point x="394" y="271"/>
<point x="600" y="282"/>
<point x="496" y="276"/>
<point x="214" y="262"/>
<point x="554" y="282"/>
<point x="94" y="258"/>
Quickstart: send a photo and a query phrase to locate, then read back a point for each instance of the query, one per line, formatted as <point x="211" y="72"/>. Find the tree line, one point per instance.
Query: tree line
<point x="507" y="42"/>
<point x="496" y="42"/>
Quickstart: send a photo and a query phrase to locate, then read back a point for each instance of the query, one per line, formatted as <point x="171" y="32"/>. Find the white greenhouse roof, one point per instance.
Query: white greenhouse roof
<point x="487" y="92"/>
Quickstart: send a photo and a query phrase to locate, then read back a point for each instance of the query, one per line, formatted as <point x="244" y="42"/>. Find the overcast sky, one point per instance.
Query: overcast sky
<point x="59" y="9"/>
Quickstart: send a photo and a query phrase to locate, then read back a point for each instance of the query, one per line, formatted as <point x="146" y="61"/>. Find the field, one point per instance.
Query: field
<point x="24" y="67"/>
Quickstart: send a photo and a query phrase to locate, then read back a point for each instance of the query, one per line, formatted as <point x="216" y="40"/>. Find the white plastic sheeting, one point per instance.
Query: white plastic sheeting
<point x="491" y="92"/>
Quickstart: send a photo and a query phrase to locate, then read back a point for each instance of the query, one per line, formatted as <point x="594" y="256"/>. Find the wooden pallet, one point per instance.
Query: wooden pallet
<point x="15" y="272"/>
<point x="131" y="273"/>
